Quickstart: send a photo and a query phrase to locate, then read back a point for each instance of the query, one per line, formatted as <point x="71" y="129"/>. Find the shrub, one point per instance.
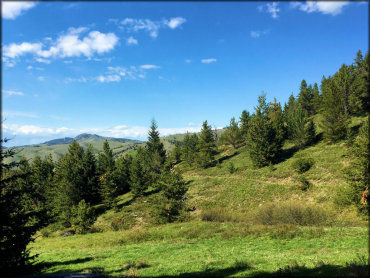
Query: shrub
<point x="292" y="213"/>
<point x="83" y="217"/>
<point x="304" y="183"/>
<point x="231" y="168"/>
<point x="216" y="215"/>
<point x="302" y="165"/>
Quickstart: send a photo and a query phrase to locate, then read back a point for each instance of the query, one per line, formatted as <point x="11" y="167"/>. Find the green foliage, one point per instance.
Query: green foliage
<point x="108" y="189"/>
<point x="232" y="134"/>
<point x="334" y="120"/>
<point x="138" y="176"/>
<point x="262" y="144"/>
<point x="83" y="217"/>
<point x="155" y="146"/>
<point x="358" y="173"/>
<point x="244" y="124"/>
<point x="169" y="204"/>
<point x="20" y="212"/>
<point x="231" y="168"/>
<point x="105" y="159"/>
<point x="277" y="120"/>
<point x="121" y="174"/>
<point x="206" y="146"/>
<point x="305" y="98"/>
<point x="176" y="153"/>
<point x="190" y="148"/>
<point x="302" y="165"/>
<point x="304" y="183"/>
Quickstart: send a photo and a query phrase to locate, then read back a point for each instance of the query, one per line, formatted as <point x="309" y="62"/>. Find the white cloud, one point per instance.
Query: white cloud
<point x="12" y="93"/>
<point x="12" y="114"/>
<point x="208" y="61"/>
<point x="29" y="67"/>
<point x="68" y="45"/>
<point x="41" y="60"/>
<point x="150" y="67"/>
<point x="108" y="78"/>
<point x="175" y="22"/>
<point x="41" y="78"/>
<point x="150" y="26"/>
<point x="131" y="41"/>
<point x="257" y="34"/>
<point x="325" y="7"/>
<point x="14" y="50"/>
<point x="188" y="61"/>
<point x="273" y="9"/>
<point x="10" y="9"/>
<point x="16" y="129"/>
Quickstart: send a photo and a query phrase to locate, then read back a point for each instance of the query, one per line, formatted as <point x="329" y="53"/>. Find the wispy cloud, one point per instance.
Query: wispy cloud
<point x="13" y="114"/>
<point x="147" y="25"/>
<point x="149" y="67"/>
<point x="109" y="78"/>
<point x="175" y="22"/>
<point x="41" y="78"/>
<point x="208" y="61"/>
<point x="257" y="34"/>
<point x="67" y="45"/>
<point x="271" y="8"/>
<point x="12" y="93"/>
<point x="131" y="41"/>
<point x="11" y="10"/>
<point x="324" y="7"/>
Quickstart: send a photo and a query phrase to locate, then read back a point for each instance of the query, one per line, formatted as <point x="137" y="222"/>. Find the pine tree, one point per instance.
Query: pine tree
<point x="70" y="183"/>
<point x="262" y="143"/>
<point x="359" y="100"/>
<point x="19" y="223"/>
<point x="344" y="80"/>
<point x="244" y="124"/>
<point x="105" y="159"/>
<point x="305" y="98"/>
<point x="176" y="153"/>
<point x="169" y="204"/>
<point x="155" y="146"/>
<point x="358" y="173"/>
<point x="190" y="148"/>
<point x="288" y="116"/>
<point x="335" y="120"/>
<point x="139" y="179"/>
<point x="316" y="98"/>
<point x="108" y="189"/>
<point x="206" y="145"/>
<point x="232" y="134"/>
<point x="91" y="190"/>
<point x="121" y="175"/>
<point x="277" y="120"/>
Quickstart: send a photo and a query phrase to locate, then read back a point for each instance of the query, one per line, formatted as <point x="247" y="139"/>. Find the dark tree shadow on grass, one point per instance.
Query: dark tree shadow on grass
<point x="221" y="159"/>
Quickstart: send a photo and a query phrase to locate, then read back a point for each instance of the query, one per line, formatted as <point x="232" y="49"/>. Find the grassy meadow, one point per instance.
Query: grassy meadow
<point x="242" y="222"/>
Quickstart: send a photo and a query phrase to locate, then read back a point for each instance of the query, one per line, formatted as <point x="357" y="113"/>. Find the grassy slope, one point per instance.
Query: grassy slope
<point x="234" y="243"/>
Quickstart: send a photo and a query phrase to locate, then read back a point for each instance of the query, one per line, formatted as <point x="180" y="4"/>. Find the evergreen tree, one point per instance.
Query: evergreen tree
<point x="244" y="124"/>
<point x="288" y="116"/>
<point x="155" y="146"/>
<point x="262" y="142"/>
<point x="316" y="98"/>
<point x="335" y="120"/>
<point x="358" y="173"/>
<point x="169" y="204"/>
<point x="19" y="223"/>
<point x="277" y="120"/>
<point x="108" y="189"/>
<point x="121" y="174"/>
<point x="190" y="148"/>
<point x="70" y="182"/>
<point x="305" y="98"/>
<point x="232" y="134"/>
<point x="344" y="80"/>
<point x="91" y="191"/>
<point x="359" y="100"/>
<point x="138" y="177"/>
<point x="42" y="180"/>
<point x="105" y="159"/>
<point x="176" y="153"/>
<point x="206" y="146"/>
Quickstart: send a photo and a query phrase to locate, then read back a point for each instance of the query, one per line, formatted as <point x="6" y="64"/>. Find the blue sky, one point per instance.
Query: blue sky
<point x="110" y="67"/>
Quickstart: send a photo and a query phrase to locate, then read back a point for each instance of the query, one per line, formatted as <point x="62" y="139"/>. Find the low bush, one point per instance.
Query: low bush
<point x="302" y="165"/>
<point x="292" y="213"/>
<point x="304" y="183"/>
<point x="216" y="215"/>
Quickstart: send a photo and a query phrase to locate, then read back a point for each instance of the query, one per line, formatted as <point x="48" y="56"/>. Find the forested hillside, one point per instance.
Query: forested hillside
<point x="273" y="173"/>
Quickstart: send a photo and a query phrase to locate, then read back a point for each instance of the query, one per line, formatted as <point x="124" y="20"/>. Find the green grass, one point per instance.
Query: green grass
<point x="202" y="248"/>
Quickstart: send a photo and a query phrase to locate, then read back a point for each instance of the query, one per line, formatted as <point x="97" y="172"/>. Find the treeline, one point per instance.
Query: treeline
<point x="42" y="192"/>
